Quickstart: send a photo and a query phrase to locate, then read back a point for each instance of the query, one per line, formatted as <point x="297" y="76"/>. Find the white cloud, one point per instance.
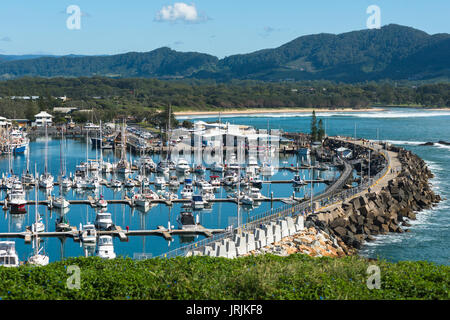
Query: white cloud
<point x="179" y="11"/>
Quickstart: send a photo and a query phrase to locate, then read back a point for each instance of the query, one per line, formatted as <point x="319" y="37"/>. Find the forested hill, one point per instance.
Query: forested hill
<point x="392" y="52"/>
<point x="162" y="62"/>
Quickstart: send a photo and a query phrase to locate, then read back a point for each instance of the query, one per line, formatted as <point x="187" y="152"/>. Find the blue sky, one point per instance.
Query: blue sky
<point x="216" y="27"/>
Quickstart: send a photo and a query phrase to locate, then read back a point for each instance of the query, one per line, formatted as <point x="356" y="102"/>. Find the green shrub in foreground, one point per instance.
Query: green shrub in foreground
<point x="261" y="277"/>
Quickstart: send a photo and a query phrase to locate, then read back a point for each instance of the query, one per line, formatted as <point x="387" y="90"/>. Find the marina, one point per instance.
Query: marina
<point x="83" y="187"/>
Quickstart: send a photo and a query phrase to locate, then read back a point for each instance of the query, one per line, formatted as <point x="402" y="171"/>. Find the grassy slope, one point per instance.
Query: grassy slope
<point x="262" y="277"/>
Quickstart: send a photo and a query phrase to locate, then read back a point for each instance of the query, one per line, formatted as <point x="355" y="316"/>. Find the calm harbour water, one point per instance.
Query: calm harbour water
<point x="429" y="236"/>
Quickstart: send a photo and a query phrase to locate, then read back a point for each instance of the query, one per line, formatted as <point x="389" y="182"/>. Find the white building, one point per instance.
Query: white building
<point x="43" y="118"/>
<point x="4" y="122"/>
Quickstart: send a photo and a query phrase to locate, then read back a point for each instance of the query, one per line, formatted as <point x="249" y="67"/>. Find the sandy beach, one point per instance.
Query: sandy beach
<point x="272" y="111"/>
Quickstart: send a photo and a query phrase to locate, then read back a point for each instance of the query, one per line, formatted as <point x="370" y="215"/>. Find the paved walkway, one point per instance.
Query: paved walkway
<point x="393" y="170"/>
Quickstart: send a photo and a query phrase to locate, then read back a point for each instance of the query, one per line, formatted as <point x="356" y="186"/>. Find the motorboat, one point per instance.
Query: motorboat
<point x="60" y="202"/>
<point x="103" y="221"/>
<point x="46" y="181"/>
<point x="160" y="182"/>
<point x="130" y="183"/>
<point x="8" y="254"/>
<point x="217" y="167"/>
<point x="88" y="233"/>
<point x="163" y="167"/>
<point x="61" y="224"/>
<point x="247" y="200"/>
<point x="16" y="197"/>
<point x="105" y="247"/>
<point x="101" y="202"/>
<point x="116" y="183"/>
<point x="147" y="163"/>
<point x="186" y="221"/>
<point x="214" y="181"/>
<point x="197" y="202"/>
<point x="182" y="165"/>
<point x="298" y="181"/>
<point x="66" y="182"/>
<point x="207" y="195"/>
<point x="173" y="182"/>
<point x="187" y="191"/>
<point x="199" y="169"/>
<point x="231" y="179"/>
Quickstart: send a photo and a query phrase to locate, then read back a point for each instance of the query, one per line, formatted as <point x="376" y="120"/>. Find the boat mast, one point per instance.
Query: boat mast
<point x="46" y="147"/>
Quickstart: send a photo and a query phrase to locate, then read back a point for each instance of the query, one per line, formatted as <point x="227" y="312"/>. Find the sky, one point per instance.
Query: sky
<point x="220" y="28"/>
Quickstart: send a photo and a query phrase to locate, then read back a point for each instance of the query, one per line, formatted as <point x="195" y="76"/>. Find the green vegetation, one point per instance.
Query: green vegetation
<point x="262" y="277"/>
<point x="392" y="52"/>
<point x="143" y="99"/>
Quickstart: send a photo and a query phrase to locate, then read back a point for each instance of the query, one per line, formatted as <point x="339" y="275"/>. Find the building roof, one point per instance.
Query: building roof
<point x="43" y="114"/>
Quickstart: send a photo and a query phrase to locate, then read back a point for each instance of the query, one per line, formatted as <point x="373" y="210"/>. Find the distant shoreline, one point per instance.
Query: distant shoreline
<point x="273" y="111"/>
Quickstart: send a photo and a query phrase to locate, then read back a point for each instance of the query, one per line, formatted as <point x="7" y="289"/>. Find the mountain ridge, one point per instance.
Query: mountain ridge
<point x="391" y="52"/>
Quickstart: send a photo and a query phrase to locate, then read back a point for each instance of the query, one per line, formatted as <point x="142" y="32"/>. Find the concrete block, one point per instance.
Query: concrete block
<point x="269" y="234"/>
<point x="299" y="223"/>
<point x="221" y="251"/>
<point x="290" y="225"/>
<point x="276" y="233"/>
<point x="260" y="238"/>
<point x="250" y="239"/>
<point x="208" y="251"/>
<point x="283" y="228"/>
<point x="241" y="245"/>
<point x="231" y="249"/>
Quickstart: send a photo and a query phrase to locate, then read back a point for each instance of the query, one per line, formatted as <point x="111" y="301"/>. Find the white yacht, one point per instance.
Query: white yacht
<point x="60" y="202"/>
<point x="38" y="259"/>
<point x="173" y="182"/>
<point x="16" y="197"/>
<point x="8" y="254"/>
<point x="46" y="181"/>
<point x="214" y="181"/>
<point x="141" y="200"/>
<point x="101" y="202"/>
<point x="65" y="182"/>
<point x="160" y="182"/>
<point x="88" y="233"/>
<point x="103" y="221"/>
<point x="182" y="165"/>
<point x="217" y="167"/>
<point x="231" y="179"/>
<point x="105" y="247"/>
<point x="116" y="183"/>
<point x="197" y="202"/>
<point x="187" y="191"/>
